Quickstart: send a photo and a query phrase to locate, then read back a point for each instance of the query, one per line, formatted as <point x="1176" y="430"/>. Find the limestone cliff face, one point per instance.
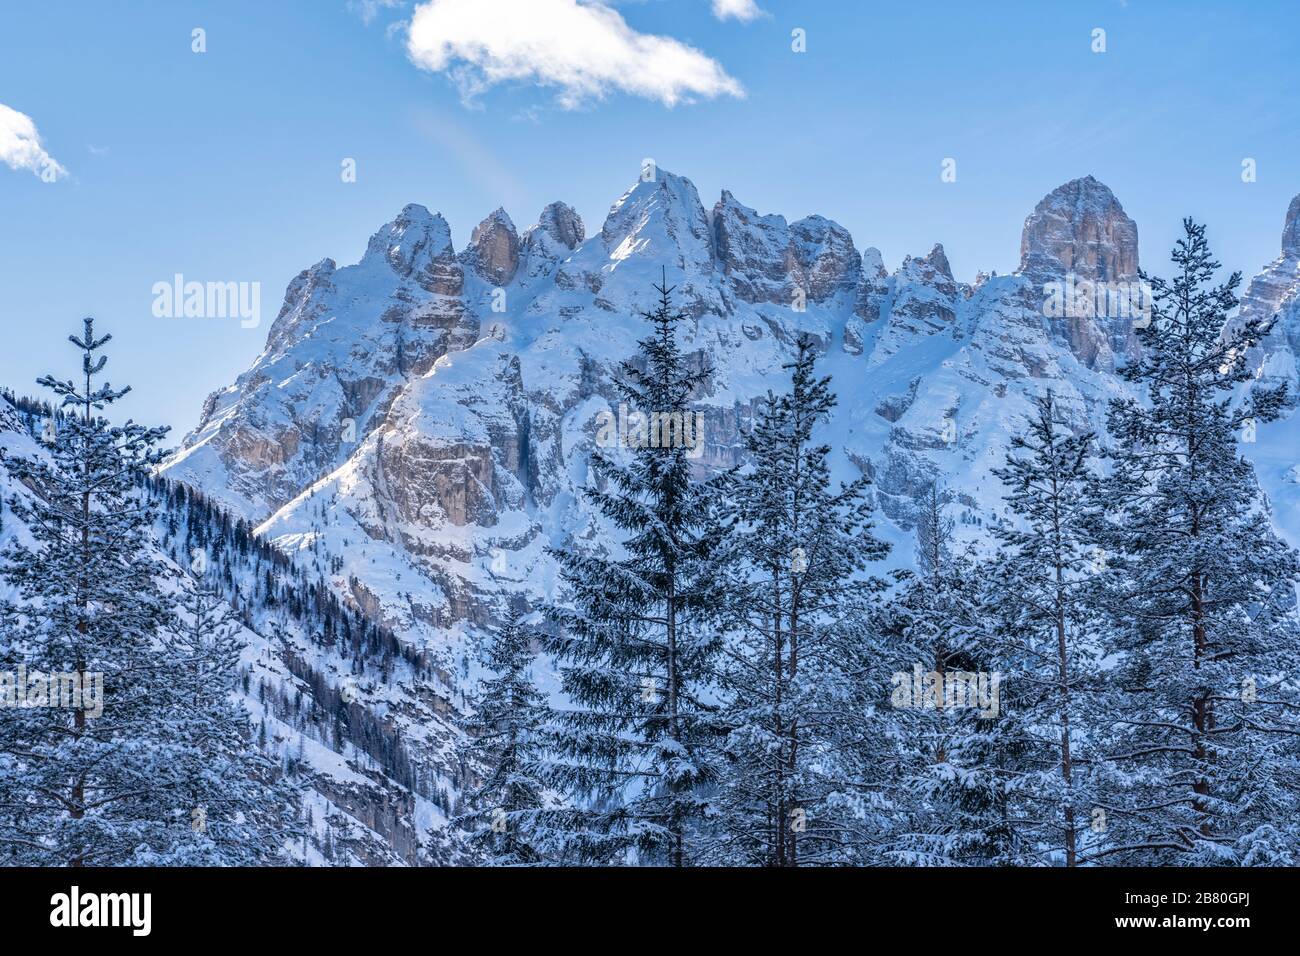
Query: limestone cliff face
<point x="558" y="232"/>
<point x="494" y="249"/>
<point x="1270" y="292"/>
<point x="1080" y="227"/>
<point x="1079" y="237"/>
<point x="767" y="260"/>
<point x="1291" y="231"/>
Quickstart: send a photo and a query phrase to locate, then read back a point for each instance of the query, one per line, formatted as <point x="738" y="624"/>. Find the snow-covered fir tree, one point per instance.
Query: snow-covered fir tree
<point x="795" y="671"/>
<point x="79" y="786"/>
<point x="506" y="733"/>
<point x="235" y="807"/>
<point x="1042" y="595"/>
<point x="159" y="767"/>
<point x="636" y="647"/>
<point x="950" y="764"/>
<point x="1204" y="699"/>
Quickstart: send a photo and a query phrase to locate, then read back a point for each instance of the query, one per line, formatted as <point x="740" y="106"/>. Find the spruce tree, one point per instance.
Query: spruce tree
<point x="949" y="768"/>
<point x="235" y="806"/>
<point x="634" y="641"/>
<point x="83" y="788"/>
<point x="796" y="663"/>
<point x="506" y="743"/>
<point x="1204" y="630"/>
<point x="1042" y="593"/>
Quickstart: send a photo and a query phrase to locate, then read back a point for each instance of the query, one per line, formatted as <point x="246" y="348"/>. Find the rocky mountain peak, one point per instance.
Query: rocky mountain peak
<point x="660" y="217"/>
<point x="1275" y="293"/>
<point x="559" y="231"/>
<point x="826" y="257"/>
<point x="938" y="260"/>
<point x="768" y="259"/>
<point x="1080" y="228"/>
<point x="562" y="223"/>
<point x="1291" y="232"/>
<point x="411" y="242"/>
<point x="873" y="263"/>
<point x="494" y="248"/>
<point x="754" y="251"/>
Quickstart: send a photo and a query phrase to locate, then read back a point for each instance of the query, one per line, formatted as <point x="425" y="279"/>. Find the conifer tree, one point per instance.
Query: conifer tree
<point x="160" y="771"/>
<point x="236" y="807"/>
<point x="1043" y="595"/>
<point x="950" y="766"/>
<point x="795" y="672"/>
<point x="85" y="785"/>
<point x="507" y="740"/>
<point x="1204" y="630"/>
<point x="636" y="647"/>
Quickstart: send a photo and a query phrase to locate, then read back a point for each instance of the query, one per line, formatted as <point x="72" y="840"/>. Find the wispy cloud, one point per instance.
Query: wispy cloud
<point x="586" y="50"/>
<point x="20" y="145"/>
<point x="478" y="164"/>
<point x="742" y="10"/>
<point x="367" y="10"/>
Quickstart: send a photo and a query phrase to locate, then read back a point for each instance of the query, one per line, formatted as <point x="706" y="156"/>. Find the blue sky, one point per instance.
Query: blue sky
<point x="225" y="165"/>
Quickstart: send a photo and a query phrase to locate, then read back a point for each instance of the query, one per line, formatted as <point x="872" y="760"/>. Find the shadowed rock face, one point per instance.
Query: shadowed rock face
<point x="1081" y="228"/>
<point x="417" y="245"/>
<point x="561" y="222"/>
<point x="768" y="260"/>
<point x="1269" y="291"/>
<point x="1274" y="294"/>
<point x="754" y="251"/>
<point x="494" y="248"/>
<point x="559" y="231"/>
<point x="825" y="260"/>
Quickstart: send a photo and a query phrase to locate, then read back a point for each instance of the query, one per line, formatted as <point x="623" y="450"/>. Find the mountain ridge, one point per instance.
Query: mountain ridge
<point x="425" y="414"/>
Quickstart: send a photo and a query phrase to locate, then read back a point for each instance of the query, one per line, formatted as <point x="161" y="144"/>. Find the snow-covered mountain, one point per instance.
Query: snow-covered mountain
<point x="417" y="430"/>
<point x="423" y="418"/>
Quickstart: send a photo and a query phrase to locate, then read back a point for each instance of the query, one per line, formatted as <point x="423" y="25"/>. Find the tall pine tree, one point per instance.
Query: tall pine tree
<point x="161" y="770"/>
<point x="1205" y="632"/>
<point x="1043" y="596"/>
<point x="636" y="648"/>
<point x="85" y="787"/>
<point x="949" y="768"/>
<point x="235" y="806"/>
<point x="796" y="664"/>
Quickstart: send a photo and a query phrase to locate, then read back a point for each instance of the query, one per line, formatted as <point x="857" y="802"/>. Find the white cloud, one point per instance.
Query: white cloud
<point x="742" y="10"/>
<point x="20" y="145"/>
<point x="585" y="49"/>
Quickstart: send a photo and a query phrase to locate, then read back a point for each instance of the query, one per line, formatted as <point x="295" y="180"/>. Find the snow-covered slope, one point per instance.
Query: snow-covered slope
<point x="364" y="729"/>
